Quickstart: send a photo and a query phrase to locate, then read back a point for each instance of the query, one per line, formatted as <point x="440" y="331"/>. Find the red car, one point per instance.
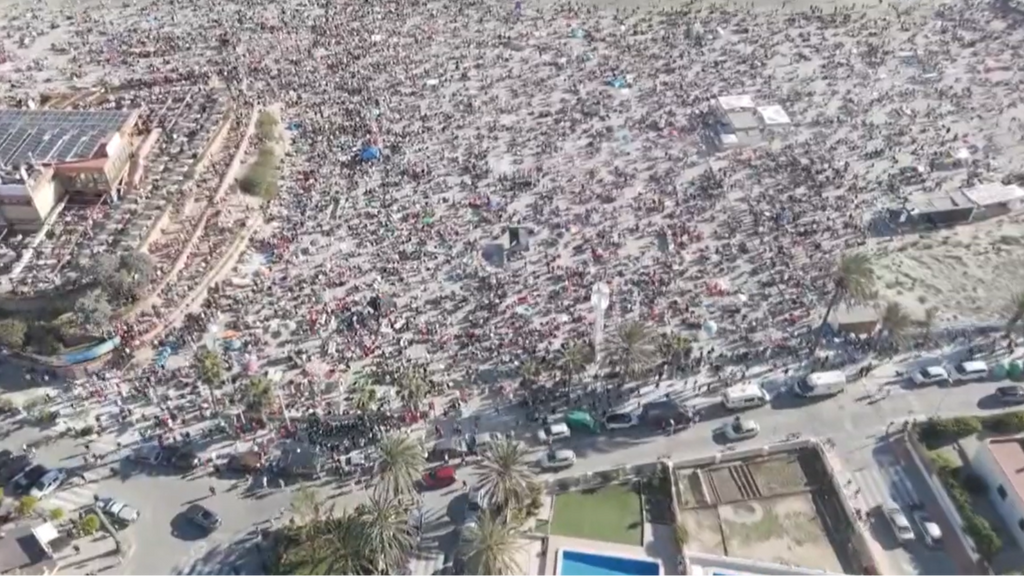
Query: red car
<point x="441" y="477"/>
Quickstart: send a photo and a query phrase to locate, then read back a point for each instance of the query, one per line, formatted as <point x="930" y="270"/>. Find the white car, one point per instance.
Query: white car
<point x="969" y="371"/>
<point x="554" y="459"/>
<point x="620" y="420"/>
<point x="48" y="484"/>
<point x="898" y="520"/>
<point x="929" y="530"/>
<point x="556" y="431"/>
<point x="739" y="429"/>
<point x="930" y="375"/>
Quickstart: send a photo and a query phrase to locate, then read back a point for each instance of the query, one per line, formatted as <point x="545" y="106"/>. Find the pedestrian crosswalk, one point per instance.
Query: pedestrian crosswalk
<point x="882" y="483"/>
<point x="70" y="497"/>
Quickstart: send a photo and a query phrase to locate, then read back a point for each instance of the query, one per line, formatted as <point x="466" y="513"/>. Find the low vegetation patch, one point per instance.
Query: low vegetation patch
<point x="263" y="175"/>
<point x="960" y="484"/>
<point x="937" y="432"/>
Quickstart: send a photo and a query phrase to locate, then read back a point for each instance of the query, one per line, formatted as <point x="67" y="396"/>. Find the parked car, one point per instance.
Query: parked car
<point x="5" y="457"/>
<point x="556" y="459"/>
<point x="477" y="499"/>
<point x="898" y="520"/>
<point x="929" y="530"/>
<point x="15" y="467"/>
<point x="739" y="429"/>
<point x="479" y="443"/>
<point x="147" y="454"/>
<point x="969" y="371"/>
<point x="554" y="431"/>
<point x="48" y="484"/>
<point x="118" y="513"/>
<point x="203" y="517"/>
<point x="447" y="449"/>
<point x="1010" y="394"/>
<point x="179" y="457"/>
<point x="620" y="420"/>
<point x="440" y="477"/>
<point x="30" y="476"/>
<point x="930" y="375"/>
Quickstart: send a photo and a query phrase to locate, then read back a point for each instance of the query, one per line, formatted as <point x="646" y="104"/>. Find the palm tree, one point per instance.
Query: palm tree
<point x="506" y="477"/>
<point x="412" y="389"/>
<point x="259" y="395"/>
<point x="675" y="348"/>
<point x="530" y="370"/>
<point x="895" y="323"/>
<point x="308" y="506"/>
<point x="386" y="535"/>
<point x="853" y="281"/>
<point x="210" y="369"/>
<point x="1017" y="310"/>
<point x="365" y="400"/>
<point x="631" y="348"/>
<point x="328" y="546"/>
<point x="401" y="461"/>
<point x="492" y="547"/>
<point x="574" y="358"/>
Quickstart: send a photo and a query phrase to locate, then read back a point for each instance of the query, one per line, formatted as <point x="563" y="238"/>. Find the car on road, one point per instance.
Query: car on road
<point x="48" y="484"/>
<point x="203" y="517"/>
<point x="179" y="457"/>
<point x="30" y="476"/>
<point x="553" y="431"/>
<point x="440" y="477"/>
<point x="898" y="520"/>
<point x="557" y="459"/>
<point x="479" y="443"/>
<point x="970" y="371"/>
<point x="929" y="529"/>
<point x="147" y="454"/>
<point x="739" y="429"/>
<point x="620" y="420"/>
<point x="1010" y="394"/>
<point x="5" y="457"/>
<point x="930" y="375"/>
<point x="118" y="513"/>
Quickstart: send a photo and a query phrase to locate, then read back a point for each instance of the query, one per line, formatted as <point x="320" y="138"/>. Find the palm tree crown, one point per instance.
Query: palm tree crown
<point x="412" y="388"/>
<point x="1016" y="310"/>
<point x="401" y="462"/>
<point x="631" y="348"/>
<point x="896" y="322"/>
<point x="506" y="476"/>
<point x="386" y="531"/>
<point x="853" y="280"/>
<point x="492" y="547"/>
<point x="259" y="394"/>
<point x="574" y="358"/>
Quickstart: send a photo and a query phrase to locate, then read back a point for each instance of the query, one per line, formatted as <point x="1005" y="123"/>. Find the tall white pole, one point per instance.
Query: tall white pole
<point x="600" y="297"/>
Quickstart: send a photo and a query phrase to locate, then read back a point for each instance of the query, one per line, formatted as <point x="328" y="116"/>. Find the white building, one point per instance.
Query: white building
<point x="741" y="122"/>
<point x="1001" y="462"/>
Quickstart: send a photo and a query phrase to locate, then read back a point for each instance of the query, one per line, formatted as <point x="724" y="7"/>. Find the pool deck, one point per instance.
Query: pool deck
<point x="547" y="564"/>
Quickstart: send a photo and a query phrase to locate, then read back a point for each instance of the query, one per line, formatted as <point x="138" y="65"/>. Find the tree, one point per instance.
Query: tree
<point x="259" y="395"/>
<point x="386" y="534"/>
<point x="1016" y="309"/>
<point x="93" y="311"/>
<point x="506" y="476"/>
<point x="853" y="281"/>
<point x="124" y="278"/>
<point x="210" y="369"/>
<point x="57" y="514"/>
<point x="12" y="333"/>
<point x="329" y="546"/>
<point x="492" y="547"/>
<point x="574" y="358"/>
<point x="927" y="324"/>
<point x="675" y="349"/>
<point x="530" y="370"/>
<point x="412" y="389"/>
<point x="631" y="348"/>
<point x="365" y="400"/>
<point x="26" y="505"/>
<point x="401" y="462"/>
<point x="308" y="506"/>
<point x="895" y="323"/>
<point x="262" y="177"/>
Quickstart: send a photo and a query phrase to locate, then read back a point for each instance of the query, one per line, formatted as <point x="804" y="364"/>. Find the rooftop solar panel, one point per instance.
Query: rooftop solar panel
<point x="55" y="135"/>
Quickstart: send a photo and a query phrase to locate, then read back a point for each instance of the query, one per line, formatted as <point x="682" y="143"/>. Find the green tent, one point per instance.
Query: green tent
<point x="1015" y="370"/>
<point x="581" y="421"/>
<point x="999" y="371"/>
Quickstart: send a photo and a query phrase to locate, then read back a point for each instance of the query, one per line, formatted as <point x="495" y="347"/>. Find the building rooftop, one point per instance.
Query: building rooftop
<point x="1009" y="455"/>
<point x="736" y="102"/>
<point x="939" y="201"/>
<point x="743" y="120"/>
<point x="773" y="115"/>
<point x="994" y="193"/>
<point x="55" y="136"/>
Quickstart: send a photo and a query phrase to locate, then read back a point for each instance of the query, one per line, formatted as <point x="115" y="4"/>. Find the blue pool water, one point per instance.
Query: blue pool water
<point x="576" y="563"/>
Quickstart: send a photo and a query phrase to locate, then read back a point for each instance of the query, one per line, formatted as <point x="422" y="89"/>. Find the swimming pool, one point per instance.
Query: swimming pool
<point x="577" y="563"/>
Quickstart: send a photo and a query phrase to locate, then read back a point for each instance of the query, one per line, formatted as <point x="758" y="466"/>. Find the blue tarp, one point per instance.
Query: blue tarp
<point x="369" y="154"/>
<point x="294" y="126"/>
<point x="617" y="82"/>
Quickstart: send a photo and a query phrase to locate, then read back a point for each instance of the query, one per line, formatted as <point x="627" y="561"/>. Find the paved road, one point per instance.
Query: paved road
<point x="164" y="544"/>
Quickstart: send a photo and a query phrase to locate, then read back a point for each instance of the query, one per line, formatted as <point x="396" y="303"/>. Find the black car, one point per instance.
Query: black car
<point x="5" y="457"/>
<point x="1010" y="394"/>
<point x="29" y="477"/>
<point x="180" y="457"/>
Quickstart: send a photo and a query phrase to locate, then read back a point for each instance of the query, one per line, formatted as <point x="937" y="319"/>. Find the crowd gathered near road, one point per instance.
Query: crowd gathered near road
<point x="457" y="178"/>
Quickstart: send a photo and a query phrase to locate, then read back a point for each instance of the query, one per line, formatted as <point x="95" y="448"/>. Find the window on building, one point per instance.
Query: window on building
<point x="1001" y="491"/>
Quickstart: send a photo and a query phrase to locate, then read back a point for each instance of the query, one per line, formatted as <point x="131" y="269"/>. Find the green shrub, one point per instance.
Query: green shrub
<point x="89" y="525"/>
<point x="943" y="462"/>
<point x="937" y="431"/>
<point x="26" y="505"/>
<point x="57" y="514"/>
<point x="985" y="538"/>
<point x="1009" y="423"/>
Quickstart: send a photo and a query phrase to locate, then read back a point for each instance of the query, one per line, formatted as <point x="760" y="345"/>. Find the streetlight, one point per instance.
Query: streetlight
<point x="600" y="297"/>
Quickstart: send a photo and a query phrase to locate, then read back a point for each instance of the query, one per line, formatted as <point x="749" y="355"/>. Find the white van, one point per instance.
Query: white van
<point x="969" y="371"/>
<point x="819" y="384"/>
<point x="743" y="396"/>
